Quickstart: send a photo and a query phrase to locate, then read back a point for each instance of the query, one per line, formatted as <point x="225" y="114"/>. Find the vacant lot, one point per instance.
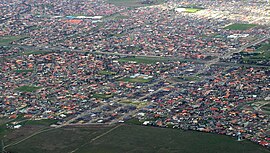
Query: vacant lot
<point x="61" y="140"/>
<point x="9" y="135"/>
<point x="238" y="26"/>
<point x="133" y="139"/>
<point x="149" y="139"/>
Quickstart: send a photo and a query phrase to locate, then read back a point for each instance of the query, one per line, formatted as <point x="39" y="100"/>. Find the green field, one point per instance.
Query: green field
<point x="6" y="40"/>
<point x="133" y="3"/>
<point x="132" y="139"/>
<point x="102" y="96"/>
<point x="192" y="10"/>
<point x="238" y="26"/>
<point x="27" y="88"/>
<point x="134" y="103"/>
<point x="9" y="135"/>
<point x="262" y="53"/>
<point x="154" y="60"/>
<point x="36" y="52"/>
<point x="106" y="72"/>
<point x="186" y="78"/>
<point x="57" y="140"/>
<point x="266" y="108"/>
<point x="45" y="122"/>
<point x="135" y="80"/>
<point x="4" y="131"/>
<point x="145" y="60"/>
<point x="24" y="71"/>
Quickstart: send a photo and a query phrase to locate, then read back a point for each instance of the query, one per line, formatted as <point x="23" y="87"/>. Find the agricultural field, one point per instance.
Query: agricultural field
<point x="27" y="88"/>
<point x="133" y="139"/>
<point x="238" y="26"/>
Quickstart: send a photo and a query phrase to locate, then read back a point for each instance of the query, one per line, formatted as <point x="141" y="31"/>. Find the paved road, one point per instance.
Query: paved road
<point x="230" y="53"/>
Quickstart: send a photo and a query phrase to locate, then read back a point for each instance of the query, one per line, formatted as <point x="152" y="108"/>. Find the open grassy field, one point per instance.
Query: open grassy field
<point x="24" y="71"/>
<point x="133" y="3"/>
<point x="266" y="108"/>
<point x="36" y="52"/>
<point x="29" y="127"/>
<point x="45" y="122"/>
<point x="186" y="78"/>
<point x="132" y="139"/>
<point x="3" y="130"/>
<point x="6" y="40"/>
<point x="154" y="60"/>
<point x="145" y="60"/>
<point x="134" y="103"/>
<point x="27" y="88"/>
<point x="61" y="140"/>
<point x="150" y="139"/>
<point x="102" y="96"/>
<point x="135" y="80"/>
<point x="238" y="26"/>
<point x="106" y="72"/>
<point x="262" y="53"/>
<point x="192" y="10"/>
